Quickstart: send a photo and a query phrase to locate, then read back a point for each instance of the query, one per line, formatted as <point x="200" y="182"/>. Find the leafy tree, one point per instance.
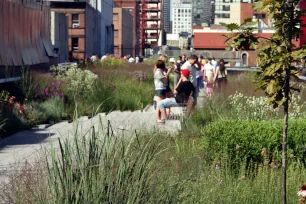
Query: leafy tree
<point x="276" y="58"/>
<point x="241" y="37"/>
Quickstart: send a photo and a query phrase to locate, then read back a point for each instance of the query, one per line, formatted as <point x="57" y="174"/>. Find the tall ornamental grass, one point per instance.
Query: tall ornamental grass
<point x="102" y="169"/>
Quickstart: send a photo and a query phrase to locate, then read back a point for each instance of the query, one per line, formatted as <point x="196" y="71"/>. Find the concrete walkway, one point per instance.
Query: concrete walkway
<point x="29" y="145"/>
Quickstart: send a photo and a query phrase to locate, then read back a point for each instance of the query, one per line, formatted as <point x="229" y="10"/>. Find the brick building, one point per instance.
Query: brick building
<point x="82" y="37"/>
<point x="132" y="6"/>
<point x="123" y="32"/>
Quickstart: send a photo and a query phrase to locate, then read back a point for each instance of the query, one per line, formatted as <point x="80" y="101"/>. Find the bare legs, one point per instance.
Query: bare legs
<point x="158" y="110"/>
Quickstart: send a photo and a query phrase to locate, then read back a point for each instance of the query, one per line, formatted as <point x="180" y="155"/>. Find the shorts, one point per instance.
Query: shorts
<point x="160" y="92"/>
<point x="166" y="103"/>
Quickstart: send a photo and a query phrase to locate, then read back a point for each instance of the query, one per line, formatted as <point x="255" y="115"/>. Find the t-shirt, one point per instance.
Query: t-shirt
<point x="93" y="58"/>
<point x="131" y="60"/>
<point x="104" y="57"/>
<point x="158" y="80"/>
<point x="209" y="72"/>
<point x="184" y="90"/>
<point x="193" y="72"/>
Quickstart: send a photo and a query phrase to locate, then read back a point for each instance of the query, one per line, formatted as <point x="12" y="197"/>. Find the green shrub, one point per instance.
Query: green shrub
<point x="50" y="111"/>
<point x="11" y="122"/>
<point x="253" y="143"/>
<point x="77" y="82"/>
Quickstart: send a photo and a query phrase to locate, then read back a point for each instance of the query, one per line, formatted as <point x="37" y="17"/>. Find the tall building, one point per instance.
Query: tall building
<point x="202" y="12"/>
<point x="232" y="11"/>
<point x="182" y="19"/>
<point x="133" y="7"/>
<point x="123" y="32"/>
<point x="166" y="15"/>
<point x="151" y="25"/>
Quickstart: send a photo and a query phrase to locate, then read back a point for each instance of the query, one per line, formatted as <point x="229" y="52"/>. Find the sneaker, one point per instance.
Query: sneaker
<point x="161" y="121"/>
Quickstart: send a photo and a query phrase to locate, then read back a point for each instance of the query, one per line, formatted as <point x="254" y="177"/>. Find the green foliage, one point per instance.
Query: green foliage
<point x="242" y="36"/>
<point x="12" y="122"/>
<point x="276" y="58"/>
<point x="60" y="70"/>
<point x="102" y="169"/>
<point x="253" y="143"/>
<point x="4" y="97"/>
<point x="26" y="83"/>
<point x="50" y="111"/>
<point x="77" y="82"/>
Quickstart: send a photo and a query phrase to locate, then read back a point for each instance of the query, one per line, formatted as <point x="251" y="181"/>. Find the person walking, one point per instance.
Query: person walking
<point x="200" y="75"/>
<point x="176" y="70"/>
<point x="220" y="75"/>
<point x="160" y="82"/>
<point x="209" y="77"/>
<point x="214" y="63"/>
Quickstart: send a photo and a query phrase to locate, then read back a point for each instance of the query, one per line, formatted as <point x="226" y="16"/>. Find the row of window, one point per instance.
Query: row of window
<point x="182" y="10"/>
<point x="189" y="15"/>
<point x="181" y="23"/>
<point x="222" y="7"/>
<point x="222" y="15"/>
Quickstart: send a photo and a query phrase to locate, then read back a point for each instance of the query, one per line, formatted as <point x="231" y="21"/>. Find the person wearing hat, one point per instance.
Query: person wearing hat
<point x="176" y="69"/>
<point x="183" y="95"/>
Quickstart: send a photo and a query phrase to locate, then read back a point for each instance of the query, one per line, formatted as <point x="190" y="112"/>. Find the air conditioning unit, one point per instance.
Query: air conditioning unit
<point x="75" y="25"/>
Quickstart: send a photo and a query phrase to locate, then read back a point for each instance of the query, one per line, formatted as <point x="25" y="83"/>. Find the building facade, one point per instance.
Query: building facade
<point x="90" y="26"/>
<point x="166" y="16"/>
<point x="83" y="40"/>
<point x="105" y="26"/>
<point x="123" y="32"/>
<point x="182" y="16"/>
<point x="202" y="12"/>
<point x="133" y="7"/>
<point x="59" y="36"/>
<point x="232" y="11"/>
<point x="151" y="25"/>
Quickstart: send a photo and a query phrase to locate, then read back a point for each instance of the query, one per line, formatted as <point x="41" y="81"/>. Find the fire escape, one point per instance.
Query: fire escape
<point x="150" y="24"/>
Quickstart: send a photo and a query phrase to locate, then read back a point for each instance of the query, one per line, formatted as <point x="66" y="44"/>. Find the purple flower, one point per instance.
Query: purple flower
<point x="53" y="84"/>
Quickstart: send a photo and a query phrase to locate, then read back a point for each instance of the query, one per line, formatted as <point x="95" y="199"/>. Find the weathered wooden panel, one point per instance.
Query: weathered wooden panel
<point x="2" y="51"/>
<point x="24" y="33"/>
<point x="17" y="34"/>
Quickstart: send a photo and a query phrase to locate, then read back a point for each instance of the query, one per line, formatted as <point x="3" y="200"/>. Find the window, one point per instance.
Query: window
<point x="75" y="44"/>
<point x="75" y="20"/>
<point x="130" y="10"/>
<point x="222" y="15"/>
<point x="116" y="33"/>
<point x="115" y="17"/>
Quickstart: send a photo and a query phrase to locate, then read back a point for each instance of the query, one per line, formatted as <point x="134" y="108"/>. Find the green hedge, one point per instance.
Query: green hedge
<point x="253" y="143"/>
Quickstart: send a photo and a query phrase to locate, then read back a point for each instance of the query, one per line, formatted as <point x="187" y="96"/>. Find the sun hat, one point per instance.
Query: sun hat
<point x="172" y="60"/>
<point x="185" y="72"/>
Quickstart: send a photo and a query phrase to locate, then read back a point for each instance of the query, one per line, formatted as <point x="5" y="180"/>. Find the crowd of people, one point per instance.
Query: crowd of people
<point x="190" y="76"/>
<point x="128" y="58"/>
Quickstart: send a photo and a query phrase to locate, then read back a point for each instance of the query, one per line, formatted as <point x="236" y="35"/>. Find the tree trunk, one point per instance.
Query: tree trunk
<point x="284" y="154"/>
<point x="286" y="107"/>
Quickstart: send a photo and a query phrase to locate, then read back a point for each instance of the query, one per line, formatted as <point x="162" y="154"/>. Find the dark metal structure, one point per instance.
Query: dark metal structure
<point x="24" y="33"/>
